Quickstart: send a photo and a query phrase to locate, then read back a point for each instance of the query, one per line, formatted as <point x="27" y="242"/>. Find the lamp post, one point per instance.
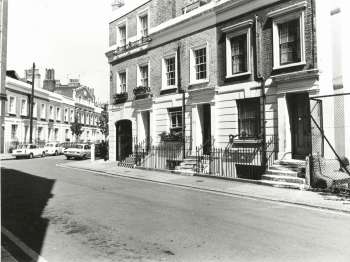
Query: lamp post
<point x="31" y="107"/>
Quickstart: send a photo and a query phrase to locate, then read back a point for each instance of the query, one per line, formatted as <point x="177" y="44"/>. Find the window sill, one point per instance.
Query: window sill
<point x="199" y="82"/>
<point x="168" y="91"/>
<point x="289" y="65"/>
<point x="238" y="75"/>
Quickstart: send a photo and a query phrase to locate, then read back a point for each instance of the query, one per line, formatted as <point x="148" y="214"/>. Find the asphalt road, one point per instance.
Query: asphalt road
<point x="71" y="215"/>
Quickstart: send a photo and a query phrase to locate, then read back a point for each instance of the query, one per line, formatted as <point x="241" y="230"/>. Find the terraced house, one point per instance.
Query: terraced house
<point x="246" y="77"/>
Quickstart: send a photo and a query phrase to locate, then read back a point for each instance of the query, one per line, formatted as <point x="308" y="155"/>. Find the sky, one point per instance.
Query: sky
<point x="70" y="36"/>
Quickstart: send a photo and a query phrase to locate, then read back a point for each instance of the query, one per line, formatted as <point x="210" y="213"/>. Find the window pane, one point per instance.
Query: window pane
<point x="289" y="42"/>
<point x="249" y="117"/>
<point x="200" y="63"/>
<point x="170" y="71"/>
<point x="239" y="54"/>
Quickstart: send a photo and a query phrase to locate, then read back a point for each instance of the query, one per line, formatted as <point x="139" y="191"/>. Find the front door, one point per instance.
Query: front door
<point x="206" y="129"/>
<point x="124" y="139"/>
<point x="300" y="125"/>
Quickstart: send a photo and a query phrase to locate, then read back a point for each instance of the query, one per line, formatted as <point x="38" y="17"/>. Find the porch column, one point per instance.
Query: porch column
<point x="284" y="134"/>
<point x="213" y="122"/>
<point x="195" y="121"/>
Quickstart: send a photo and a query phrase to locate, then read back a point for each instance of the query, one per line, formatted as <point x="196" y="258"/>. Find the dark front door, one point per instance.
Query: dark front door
<point x="300" y="125"/>
<point x="146" y="123"/>
<point x="206" y="130"/>
<point x="124" y="139"/>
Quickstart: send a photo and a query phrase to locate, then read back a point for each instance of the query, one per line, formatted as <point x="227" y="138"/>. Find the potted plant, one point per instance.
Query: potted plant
<point x="171" y="137"/>
<point x="141" y="91"/>
<point x="120" y="97"/>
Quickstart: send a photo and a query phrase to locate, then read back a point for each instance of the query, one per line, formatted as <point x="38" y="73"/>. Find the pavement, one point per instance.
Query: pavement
<point x="237" y="187"/>
<point x="6" y="156"/>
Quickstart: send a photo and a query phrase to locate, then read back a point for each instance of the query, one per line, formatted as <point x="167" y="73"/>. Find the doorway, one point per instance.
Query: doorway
<point x="124" y="139"/>
<point x="205" y="125"/>
<point x="300" y="125"/>
<point x="147" y="128"/>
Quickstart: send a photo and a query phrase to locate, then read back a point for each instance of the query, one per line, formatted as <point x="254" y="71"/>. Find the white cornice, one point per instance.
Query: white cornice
<point x="288" y="9"/>
<point x="238" y="26"/>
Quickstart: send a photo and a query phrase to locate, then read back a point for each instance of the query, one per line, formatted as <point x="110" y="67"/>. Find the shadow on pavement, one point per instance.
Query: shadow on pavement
<point x="24" y="197"/>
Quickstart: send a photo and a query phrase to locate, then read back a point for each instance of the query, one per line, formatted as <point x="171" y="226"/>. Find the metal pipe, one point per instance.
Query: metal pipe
<point x="31" y="107"/>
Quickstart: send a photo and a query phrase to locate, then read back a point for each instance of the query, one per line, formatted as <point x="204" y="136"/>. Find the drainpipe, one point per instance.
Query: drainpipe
<point x="262" y="82"/>
<point x="180" y="90"/>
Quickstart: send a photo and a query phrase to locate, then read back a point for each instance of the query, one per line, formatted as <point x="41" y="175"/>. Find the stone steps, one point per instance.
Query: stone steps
<point x="283" y="178"/>
<point x="281" y="184"/>
<point x="287" y="173"/>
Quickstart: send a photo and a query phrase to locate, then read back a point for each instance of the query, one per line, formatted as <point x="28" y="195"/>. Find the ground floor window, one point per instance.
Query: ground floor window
<point x="248" y="117"/>
<point x="175" y="115"/>
<point x="13" y="132"/>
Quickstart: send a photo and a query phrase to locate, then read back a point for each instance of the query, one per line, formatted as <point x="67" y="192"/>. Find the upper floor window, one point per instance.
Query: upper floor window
<point x="35" y="109"/>
<point x="65" y="114"/>
<point x="288" y="35"/>
<point x="72" y="115"/>
<point x="169" y="72"/>
<point x="238" y="49"/>
<point x="289" y="42"/>
<point x="24" y="107"/>
<point x="12" y="105"/>
<point x="121" y="35"/>
<point x="198" y="65"/>
<point x="248" y="117"/>
<point x="43" y="111"/>
<point x="121" y="82"/>
<point x="143" y="75"/>
<point x="58" y="114"/>
<point x="144" y="25"/>
<point x="51" y="112"/>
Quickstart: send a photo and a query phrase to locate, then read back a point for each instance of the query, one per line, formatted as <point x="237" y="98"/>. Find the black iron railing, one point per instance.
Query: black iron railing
<point x="131" y="45"/>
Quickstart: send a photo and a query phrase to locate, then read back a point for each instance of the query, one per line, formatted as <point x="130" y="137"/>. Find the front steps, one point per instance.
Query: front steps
<point x="286" y="174"/>
<point x="187" y="167"/>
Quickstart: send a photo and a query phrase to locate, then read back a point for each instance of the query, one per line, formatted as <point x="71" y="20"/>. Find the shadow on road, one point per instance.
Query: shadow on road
<point x="24" y="197"/>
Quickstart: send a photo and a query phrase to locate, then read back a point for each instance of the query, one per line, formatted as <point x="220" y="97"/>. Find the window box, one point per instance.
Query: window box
<point x="120" y="98"/>
<point x="142" y="92"/>
<point x="171" y="137"/>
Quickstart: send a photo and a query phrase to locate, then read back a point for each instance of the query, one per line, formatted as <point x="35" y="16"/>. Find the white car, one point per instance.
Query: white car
<point x="53" y="149"/>
<point x="81" y="151"/>
<point x="29" y="151"/>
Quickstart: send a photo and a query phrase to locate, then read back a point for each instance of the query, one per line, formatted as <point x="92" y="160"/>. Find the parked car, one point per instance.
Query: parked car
<point x="80" y="151"/>
<point x="53" y="149"/>
<point x="29" y="151"/>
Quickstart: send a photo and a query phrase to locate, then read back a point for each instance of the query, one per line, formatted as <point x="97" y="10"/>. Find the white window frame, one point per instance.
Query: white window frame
<point x="51" y="113"/>
<point x="43" y="111"/>
<point x="35" y="109"/>
<point x="58" y="113"/>
<point x="12" y="110"/>
<point x="138" y="74"/>
<point x="71" y="115"/>
<point x="164" y="72"/>
<point x="24" y="111"/>
<point x="284" y="15"/>
<point x="65" y="115"/>
<point x="118" y="82"/>
<point x="119" y="25"/>
<point x="138" y="22"/>
<point x="243" y="28"/>
<point x="193" y="80"/>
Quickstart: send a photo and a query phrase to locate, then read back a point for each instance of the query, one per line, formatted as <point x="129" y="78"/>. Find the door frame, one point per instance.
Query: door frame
<point x="126" y="126"/>
<point x="292" y="102"/>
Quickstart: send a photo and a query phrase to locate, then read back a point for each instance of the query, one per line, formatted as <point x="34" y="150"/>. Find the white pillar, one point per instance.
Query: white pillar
<point x="284" y="134"/>
<point x="92" y="153"/>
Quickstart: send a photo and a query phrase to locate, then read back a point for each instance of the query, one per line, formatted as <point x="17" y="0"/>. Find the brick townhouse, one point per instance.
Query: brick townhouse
<point x="245" y="69"/>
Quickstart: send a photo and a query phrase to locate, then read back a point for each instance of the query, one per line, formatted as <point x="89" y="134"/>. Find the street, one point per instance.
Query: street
<point x="72" y="215"/>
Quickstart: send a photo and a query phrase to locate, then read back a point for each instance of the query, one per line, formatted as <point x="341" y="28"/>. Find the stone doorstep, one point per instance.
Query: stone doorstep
<point x="284" y="184"/>
<point x="289" y="179"/>
<point x="281" y="172"/>
<point x="292" y="163"/>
